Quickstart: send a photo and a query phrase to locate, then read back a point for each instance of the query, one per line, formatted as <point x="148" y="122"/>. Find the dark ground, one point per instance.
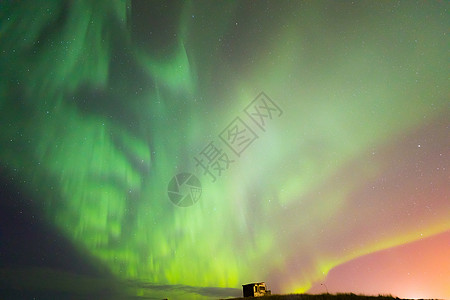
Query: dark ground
<point x="323" y="297"/>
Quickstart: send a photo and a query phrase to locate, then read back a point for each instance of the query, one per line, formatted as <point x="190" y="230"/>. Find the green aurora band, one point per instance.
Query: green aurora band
<point x="96" y="119"/>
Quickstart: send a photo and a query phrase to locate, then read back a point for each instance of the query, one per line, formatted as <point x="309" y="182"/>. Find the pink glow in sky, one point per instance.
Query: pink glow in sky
<point x="419" y="270"/>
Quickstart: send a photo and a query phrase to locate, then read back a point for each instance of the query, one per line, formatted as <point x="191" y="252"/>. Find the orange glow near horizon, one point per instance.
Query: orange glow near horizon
<point x="417" y="270"/>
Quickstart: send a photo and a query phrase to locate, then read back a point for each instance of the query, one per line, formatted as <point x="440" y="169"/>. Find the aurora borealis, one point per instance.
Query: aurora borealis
<point x="103" y="102"/>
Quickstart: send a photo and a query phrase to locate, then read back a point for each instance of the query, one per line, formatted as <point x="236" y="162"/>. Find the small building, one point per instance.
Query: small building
<point x="256" y="289"/>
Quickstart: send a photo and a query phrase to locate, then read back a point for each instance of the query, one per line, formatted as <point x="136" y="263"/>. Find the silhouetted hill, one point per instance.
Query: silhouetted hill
<point x="349" y="296"/>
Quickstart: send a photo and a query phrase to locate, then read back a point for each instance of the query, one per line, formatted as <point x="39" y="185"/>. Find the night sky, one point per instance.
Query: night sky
<point x="156" y="149"/>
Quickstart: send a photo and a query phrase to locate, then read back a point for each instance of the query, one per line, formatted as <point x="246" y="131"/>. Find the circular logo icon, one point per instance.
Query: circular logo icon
<point x="184" y="189"/>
